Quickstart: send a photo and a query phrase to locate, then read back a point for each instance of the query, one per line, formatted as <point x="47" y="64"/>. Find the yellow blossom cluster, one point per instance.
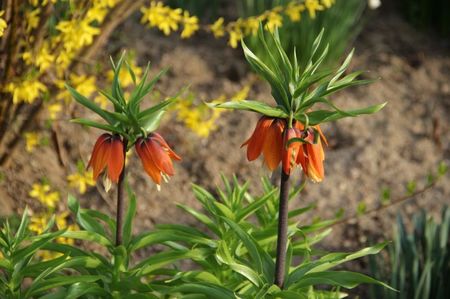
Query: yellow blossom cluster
<point x="56" y="52"/>
<point x="81" y="180"/>
<point x="201" y="119"/>
<point x="38" y="224"/>
<point x="26" y="91"/>
<point x="32" y="139"/>
<point x="3" y="24"/>
<point x="43" y="193"/>
<point x="168" y="19"/>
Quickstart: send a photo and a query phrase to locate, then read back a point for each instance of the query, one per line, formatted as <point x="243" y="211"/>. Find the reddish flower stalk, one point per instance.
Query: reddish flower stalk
<point x="120" y="198"/>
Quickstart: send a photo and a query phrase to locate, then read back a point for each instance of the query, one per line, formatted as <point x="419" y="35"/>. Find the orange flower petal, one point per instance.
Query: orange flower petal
<point x="273" y="144"/>
<point x="99" y="155"/>
<point x="256" y="141"/>
<point x="164" y="144"/>
<point x="115" y="159"/>
<point x="159" y="156"/>
<point x="147" y="162"/>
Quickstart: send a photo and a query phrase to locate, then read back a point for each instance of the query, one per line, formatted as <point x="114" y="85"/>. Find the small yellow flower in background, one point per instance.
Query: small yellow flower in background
<point x="294" y="11"/>
<point x="81" y="180"/>
<point x="3" y="23"/>
<point x="199" y="118"/>
<point x="190" y="25"/>
<point x="328" y="3"/>
<point x="217" y="28"/>
<point x="102" y="101"/>
<point x="44" y="59"/>
<point x="242" y="94"/>
<point x="83" y="84"/>
<point x="32" y="139"/>
<point x="251" y="25"/>
<point x="42" y="193"/>
<point x="236" y="35"/>
<point x="32" y="19"/>
<point x="27" y="91"/>
<point x="312" y="6"/>
<point x="53" y="110"/>
<point x="96" y="13"/>
<point x="274" y="20"/>
<point x="163" y="17"/>
<point x="76" y="34"/>
<point x="38" y="223"/>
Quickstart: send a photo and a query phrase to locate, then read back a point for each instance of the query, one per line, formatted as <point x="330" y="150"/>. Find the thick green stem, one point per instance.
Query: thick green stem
<point x="121" y="197"/>
<point x="280" y="266"/>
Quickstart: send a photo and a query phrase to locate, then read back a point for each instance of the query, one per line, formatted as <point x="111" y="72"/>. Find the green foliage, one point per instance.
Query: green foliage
<point x="296" y="90"/>
<point x="231" y="257"/>
<point x="242" y="230"/>
<point x="419" y="262"/>
<point x="342" y="22"/>
<point x="22" y="275"/>
<point x="427" y="14"/>
<point x="127" y="119"/>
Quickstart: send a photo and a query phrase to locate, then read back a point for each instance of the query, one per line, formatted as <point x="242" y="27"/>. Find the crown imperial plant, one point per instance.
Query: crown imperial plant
<point x="289" y="132"/>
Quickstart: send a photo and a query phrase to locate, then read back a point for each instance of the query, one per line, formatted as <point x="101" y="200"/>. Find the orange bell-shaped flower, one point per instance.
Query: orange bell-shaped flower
<point x="107" y="153"/>
<point x="311" y="155"/>
<point x="156" y="156"/>
<point x="290" y="150"/>
<point x="267" y="139"/>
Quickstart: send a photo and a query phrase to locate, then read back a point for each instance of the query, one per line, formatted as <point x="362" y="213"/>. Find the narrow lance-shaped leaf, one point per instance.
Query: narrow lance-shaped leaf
<point x="253" y="106"/>
<point x="90" y="105"/>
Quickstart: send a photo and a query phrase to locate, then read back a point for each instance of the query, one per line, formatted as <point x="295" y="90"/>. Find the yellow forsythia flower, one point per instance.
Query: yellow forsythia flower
<point x="294" y="11"/>
<point x="31" y="141"/>
<point x="32" y="19"/>
<point x="85" y="85"/>
<point x="274" y="20"/>
<point x="43" y="58"/>
<point x="53" y="110"/>
<point x="190" y="25"/>
<point x="3" y="24"/>
<point x="217" y="28"/>
<point x="81" y="180"/>
<point x="328" y="3"/>
<point x="38" y="223"/>
<point x="76" y="34"/>
<point x="251" y="25"/>
<point x="312" y="6"/>
<point x="242" y="94"/>
<point x="42" y="193"/>
<point x="27" y="91"/>
<point x="163" y="17"/>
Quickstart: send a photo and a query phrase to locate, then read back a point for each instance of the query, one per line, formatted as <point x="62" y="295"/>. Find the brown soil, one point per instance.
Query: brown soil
<point x="403" y="142"/>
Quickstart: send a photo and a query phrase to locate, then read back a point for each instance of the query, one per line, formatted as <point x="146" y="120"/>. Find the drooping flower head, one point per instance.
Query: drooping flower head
<point x="156" y="156"/>
<point x="108" y="156"/>
<point x="291" y="146"/>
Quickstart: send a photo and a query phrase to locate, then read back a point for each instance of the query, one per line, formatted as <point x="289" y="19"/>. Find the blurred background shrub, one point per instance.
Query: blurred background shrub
<point x="342" y="22"/>
<point x="418" y="264"/>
